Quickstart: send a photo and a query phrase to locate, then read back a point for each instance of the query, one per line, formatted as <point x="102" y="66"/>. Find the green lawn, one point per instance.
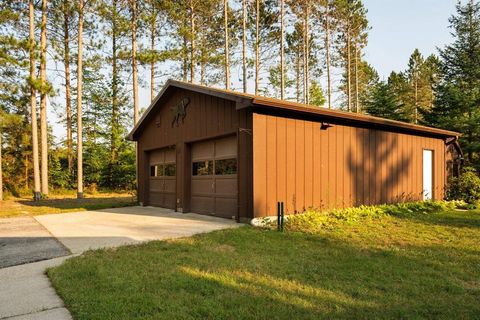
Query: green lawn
<point x="15" y="207"/>
<point x="420" y="266"/>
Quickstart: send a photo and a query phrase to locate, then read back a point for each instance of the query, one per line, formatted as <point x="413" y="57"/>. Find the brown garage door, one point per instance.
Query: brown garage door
<point x="214" y="177"/>
<point x="162" y="180"/>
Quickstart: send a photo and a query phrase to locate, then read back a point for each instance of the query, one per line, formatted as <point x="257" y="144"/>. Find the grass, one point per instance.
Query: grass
<point x="15" y="207"/>
<point x="374" y="266"/>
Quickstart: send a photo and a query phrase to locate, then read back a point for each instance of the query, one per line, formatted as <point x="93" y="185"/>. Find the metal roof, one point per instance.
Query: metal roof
<point x="259" y="103"/>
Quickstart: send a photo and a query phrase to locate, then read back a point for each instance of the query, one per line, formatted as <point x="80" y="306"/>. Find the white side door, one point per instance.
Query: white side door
<point x="427" y="174"/>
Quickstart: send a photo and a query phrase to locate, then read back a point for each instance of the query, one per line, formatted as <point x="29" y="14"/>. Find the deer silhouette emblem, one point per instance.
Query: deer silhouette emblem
<point x="179" y="111"/>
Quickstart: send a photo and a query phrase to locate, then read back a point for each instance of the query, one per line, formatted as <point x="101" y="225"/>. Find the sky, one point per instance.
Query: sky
<point x="397" y="28"/>
<point x="400" y="26"/>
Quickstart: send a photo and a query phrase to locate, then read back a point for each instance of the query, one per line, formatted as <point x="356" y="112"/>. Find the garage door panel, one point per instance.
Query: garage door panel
<point x="169" y="185"/>
<point x="202" y="150"/>
<point x="202" y="186"/>
<point x="226" y="147"/>
<point x="157" y="156"/>
<point x="156" y="198"/>
<point x="169" y="200"/>
<point x="170" y="156"/>
<point x="162" y="182"/>
<point x="226" y="186"/>
<point x="225" y="207"/>
<point x="214" y="191"/>
<point x="203" y="204"/>
<point x="156" y="185"/>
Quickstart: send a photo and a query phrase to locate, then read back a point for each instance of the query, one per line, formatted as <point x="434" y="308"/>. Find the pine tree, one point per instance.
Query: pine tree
<point x="317" y="98"/>
<point x="382" y="102"/>
<point x="43" y="100"/>
<point x="33" y="103"/>
<point x="265" y="31"/>
<point x="294" y="54"/>
<point x="81" y="9"/>
<point x="327" y="23"/>
<point x="1" y="158"/>
<point x="457" y="103"/>
<point x="61" y="26"/>
<point x="421" y="75"/>
<point x="353" y="27"/>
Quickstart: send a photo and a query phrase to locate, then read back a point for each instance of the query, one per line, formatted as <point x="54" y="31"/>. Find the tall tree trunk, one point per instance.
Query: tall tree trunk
<point x="307" y="54"/>
<point x="134" y="61"/>
<point x="349" y="70"/>
<point x="192" y="42"/>
<point x="114" y="122"/>
<point x="244" y="45"/>
<point x="79" y="102"/>
<point x="327" y="51"/>
<point x="33" y="103"/>
<point x="68" y="94"/>
<point x="27" y="184"/>
<point x="257" y="46"/>
<point x="297" y="72"/>
<point x="202" y="71"/>
<point x="282" y="50"/>
<point x="416" y="97"/>
<point x="153" y="29"/>
<point x="43" y="100"/>
<point x="357" y="92"/>
<point x="304" y="58"/>
<point x="185" y="59"/>
<point x="1" y="172"/>
<point x="227" y="44"/>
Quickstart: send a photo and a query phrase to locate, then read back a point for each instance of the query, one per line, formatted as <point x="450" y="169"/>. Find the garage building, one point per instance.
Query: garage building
<point x="234" y="155"/>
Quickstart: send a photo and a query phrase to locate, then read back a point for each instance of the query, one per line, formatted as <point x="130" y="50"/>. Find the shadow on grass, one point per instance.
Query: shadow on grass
<point x="85" y="203"/>
<point x="255" y="274"/>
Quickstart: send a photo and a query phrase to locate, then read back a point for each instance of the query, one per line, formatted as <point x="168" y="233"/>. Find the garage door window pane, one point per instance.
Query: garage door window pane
<point x="160" y="170"/>
<point x="226" y="166"/>
<point x="153" y="171"/>
<point x="202" y="168"/>
<point x="170" y="170"/>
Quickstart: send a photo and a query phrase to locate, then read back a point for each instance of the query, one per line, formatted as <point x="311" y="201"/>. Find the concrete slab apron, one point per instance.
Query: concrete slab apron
<point x="81" y="231"/>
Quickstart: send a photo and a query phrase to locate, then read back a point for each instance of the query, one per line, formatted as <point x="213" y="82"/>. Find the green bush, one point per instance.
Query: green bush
<point x="466" y="187"/>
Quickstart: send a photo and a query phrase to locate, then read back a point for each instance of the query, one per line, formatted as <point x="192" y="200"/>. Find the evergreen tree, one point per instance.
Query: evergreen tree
<point x="421" y="76"/>
<point x="265" y="38"/>
<point x="353" y="31"/>
<point x="381" y="102"/>
<point x="317" y="98"/>
<point x="457" y="104"/>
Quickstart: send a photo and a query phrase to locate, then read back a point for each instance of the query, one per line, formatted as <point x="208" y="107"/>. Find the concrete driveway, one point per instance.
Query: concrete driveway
<point x="81" y="231"/>
<point x="25" y="291"/>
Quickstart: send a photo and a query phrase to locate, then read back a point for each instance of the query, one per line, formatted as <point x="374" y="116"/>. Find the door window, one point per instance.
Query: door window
<point x="226" y="166"/>
<point x="202" y="168"/>
<point x="156" y="170"/>
<point x="169" y="170"/>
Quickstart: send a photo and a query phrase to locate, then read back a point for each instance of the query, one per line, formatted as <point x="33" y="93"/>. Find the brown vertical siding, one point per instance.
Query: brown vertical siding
<point x="296" y="162"/>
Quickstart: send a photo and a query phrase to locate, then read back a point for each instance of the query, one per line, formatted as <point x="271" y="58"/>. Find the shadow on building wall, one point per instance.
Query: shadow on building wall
<point x="377" y="168"/>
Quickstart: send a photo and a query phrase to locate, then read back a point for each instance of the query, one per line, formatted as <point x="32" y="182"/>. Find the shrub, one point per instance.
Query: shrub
<point x="466" y="187"/>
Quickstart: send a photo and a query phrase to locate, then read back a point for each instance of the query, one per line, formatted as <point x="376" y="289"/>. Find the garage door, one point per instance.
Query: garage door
<point x="162" y="180"/>
<point x="214" y="177"/>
